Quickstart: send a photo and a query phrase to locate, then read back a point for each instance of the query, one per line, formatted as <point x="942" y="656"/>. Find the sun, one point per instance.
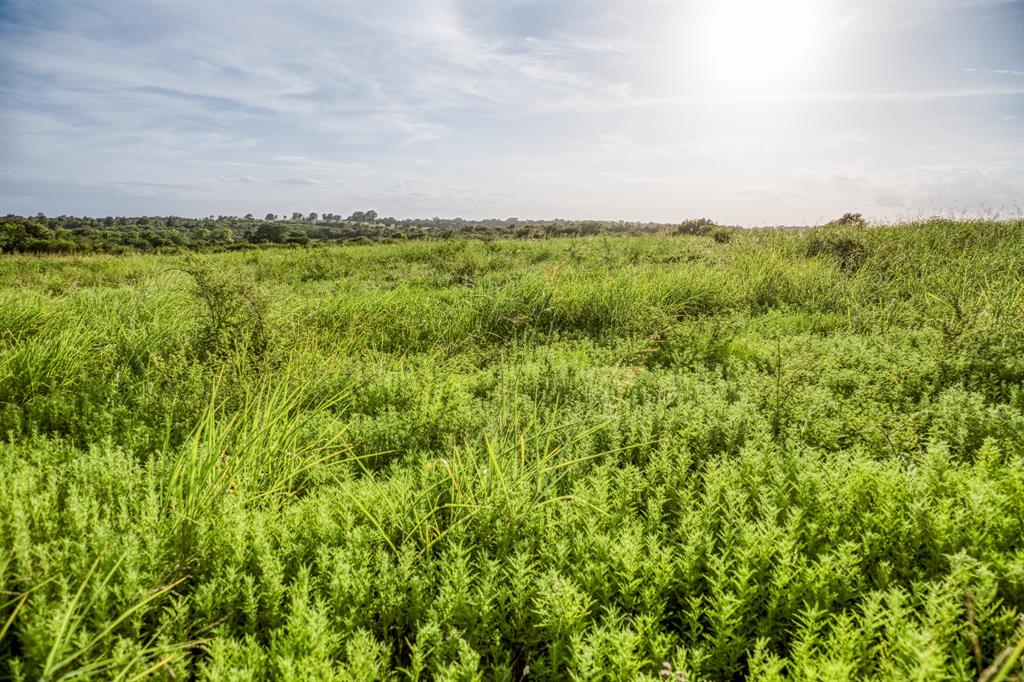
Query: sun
<point x="757" y="45"/>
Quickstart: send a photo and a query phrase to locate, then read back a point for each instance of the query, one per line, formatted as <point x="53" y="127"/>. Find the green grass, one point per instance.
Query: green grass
<point x="783" y="454"/>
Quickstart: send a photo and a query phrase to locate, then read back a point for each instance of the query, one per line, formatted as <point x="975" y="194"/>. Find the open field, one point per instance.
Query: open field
<point x="772" y="454"/>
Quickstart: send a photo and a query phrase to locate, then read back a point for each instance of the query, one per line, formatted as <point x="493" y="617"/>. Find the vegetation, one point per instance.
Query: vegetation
<point x="69" y="234"/>
<point x="766" y="454"/>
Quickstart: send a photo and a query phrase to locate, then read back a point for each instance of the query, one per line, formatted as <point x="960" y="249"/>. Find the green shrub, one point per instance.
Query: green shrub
<point x="721" y="235"/>
<point x="846" y="249"/>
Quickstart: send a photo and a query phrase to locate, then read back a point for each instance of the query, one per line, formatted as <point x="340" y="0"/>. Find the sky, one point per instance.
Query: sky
<point x="752" y="113"/>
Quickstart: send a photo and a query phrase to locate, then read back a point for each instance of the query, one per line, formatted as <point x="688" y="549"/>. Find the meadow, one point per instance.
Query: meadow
<point x="761" y="454"/>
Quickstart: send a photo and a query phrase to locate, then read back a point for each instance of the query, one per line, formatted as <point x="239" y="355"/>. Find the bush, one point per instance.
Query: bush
<point x="234" y="312"/>
<point x="721" y="235"/>
<point x="695" y="226"/>
<point x="848" y="250"/>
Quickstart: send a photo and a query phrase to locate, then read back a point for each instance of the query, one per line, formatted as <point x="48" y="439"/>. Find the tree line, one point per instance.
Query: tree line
<point x="122" y="234"/>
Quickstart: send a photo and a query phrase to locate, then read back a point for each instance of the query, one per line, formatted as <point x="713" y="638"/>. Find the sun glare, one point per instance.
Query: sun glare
<point x="760" y="44"/>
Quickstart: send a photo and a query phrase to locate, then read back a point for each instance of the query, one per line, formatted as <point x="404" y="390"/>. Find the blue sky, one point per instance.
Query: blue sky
<point x="660" y="111"/>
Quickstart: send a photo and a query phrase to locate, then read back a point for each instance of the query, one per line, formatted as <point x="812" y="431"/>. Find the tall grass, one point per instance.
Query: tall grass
<point x="772" y="454"/>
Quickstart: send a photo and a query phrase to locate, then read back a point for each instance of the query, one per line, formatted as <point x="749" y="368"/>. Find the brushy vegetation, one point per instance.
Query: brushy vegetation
<point x="757" y="454"/>
<point x="172" y="234"/>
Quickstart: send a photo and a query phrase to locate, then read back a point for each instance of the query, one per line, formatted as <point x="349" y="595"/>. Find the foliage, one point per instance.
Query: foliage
<point x="846" y="247"/>
<point x="721" y="235"/>
<point x="848" y="220"/>
<point x="696" y="226"/>
<point x="790" y="454"/>
<point x="171" y="234"/>
<point x="234" y="318"/>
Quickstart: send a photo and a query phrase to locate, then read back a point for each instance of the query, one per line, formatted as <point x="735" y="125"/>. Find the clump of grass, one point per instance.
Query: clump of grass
<point x="260" y="451"/>
<point x="845" y="247"/>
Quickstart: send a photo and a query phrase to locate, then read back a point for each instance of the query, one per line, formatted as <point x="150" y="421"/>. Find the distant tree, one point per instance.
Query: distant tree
<point x="22" y="234"/>
<point x="357" y="217"/>
<point x="370" y="216"/>
<point x="849" y="219"/>
<point x="249" y="216"/>
<point x="270" y="216"/>
<point x="696" y="226"/>
<point x="273" y="232"/>
<point x="296" y="216"/>
<point x="312" y="217"/>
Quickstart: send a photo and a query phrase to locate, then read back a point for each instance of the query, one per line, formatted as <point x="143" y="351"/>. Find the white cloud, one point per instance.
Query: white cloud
<point x="302" y="181"/>
<point x="998" y="72"/>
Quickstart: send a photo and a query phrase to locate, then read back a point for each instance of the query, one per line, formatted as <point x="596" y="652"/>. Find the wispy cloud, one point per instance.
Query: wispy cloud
<point x="999" y="72"/>
<point x="302" y="181"/>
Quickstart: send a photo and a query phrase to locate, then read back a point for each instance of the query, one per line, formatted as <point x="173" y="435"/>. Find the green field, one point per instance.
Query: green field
<point x="772" y="454"/>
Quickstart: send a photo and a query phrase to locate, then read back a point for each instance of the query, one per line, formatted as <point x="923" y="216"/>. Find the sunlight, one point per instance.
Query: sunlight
<point x="755" y="45"/>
